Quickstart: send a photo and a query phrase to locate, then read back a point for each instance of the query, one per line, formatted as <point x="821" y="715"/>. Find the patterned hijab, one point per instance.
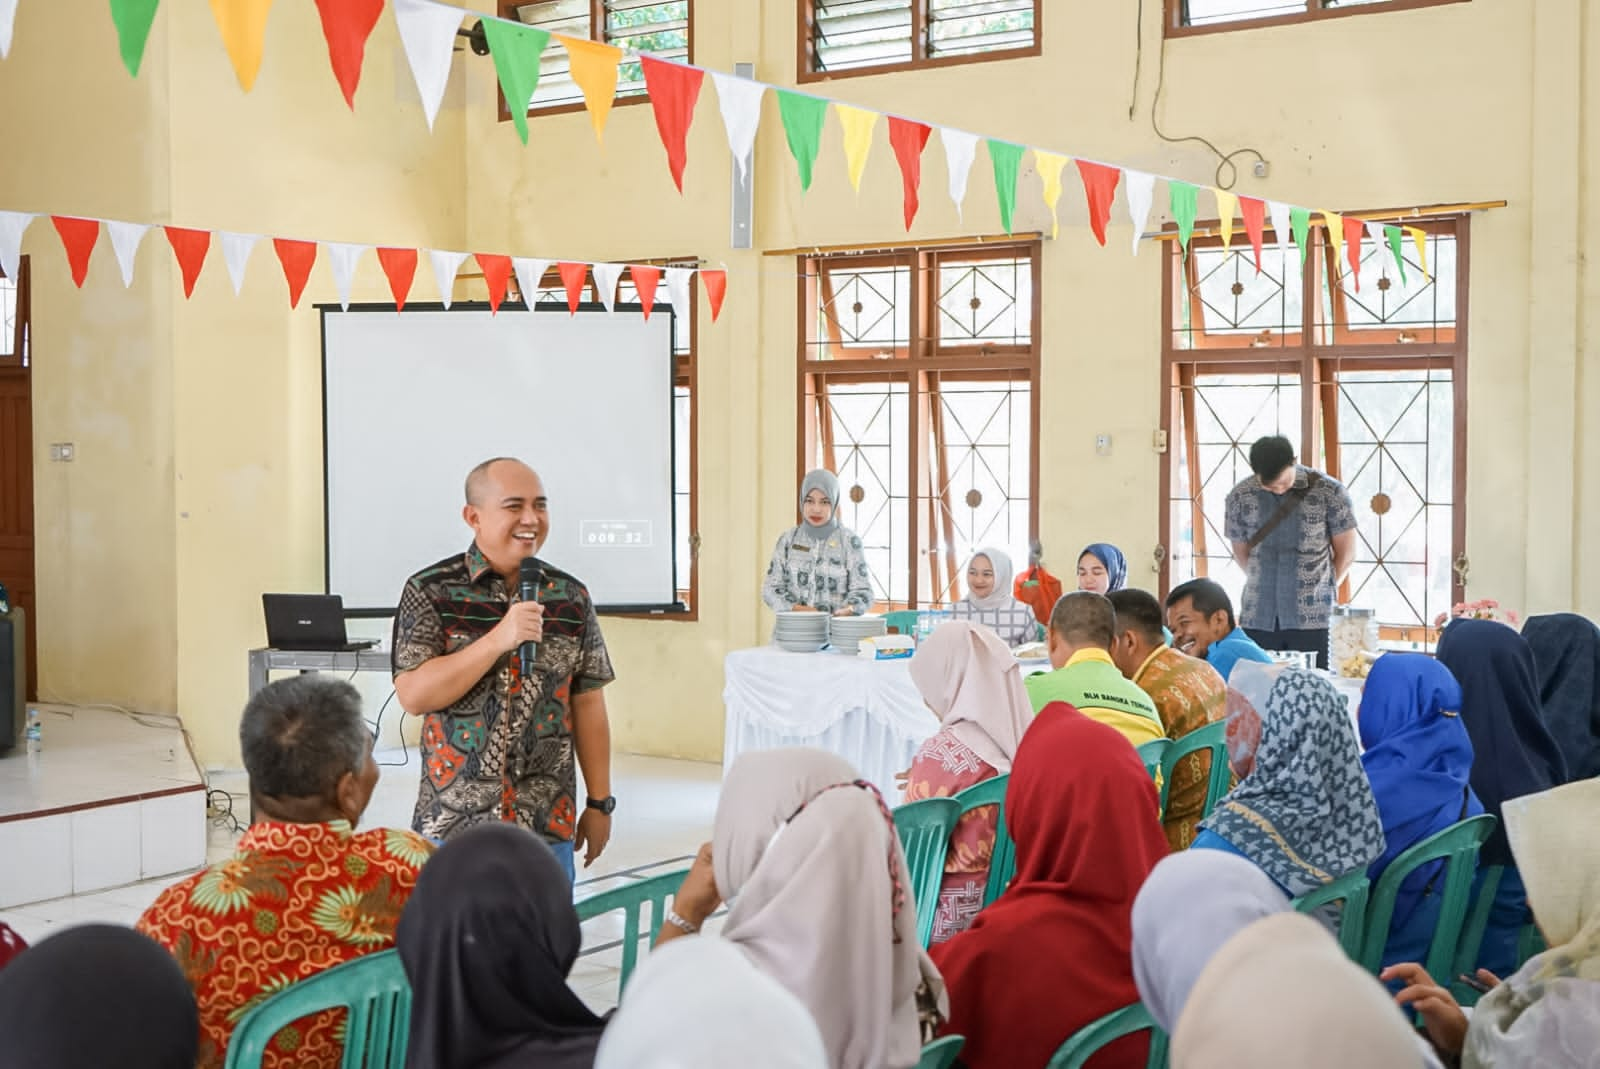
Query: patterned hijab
<point x="1303" y="809"/>
<point x="1116" y="564"/>
<point x="1566" y="649"/>
<point x="826" y="481"/>
<point x="1001" y="596"/>
<point x="971" y="681"/>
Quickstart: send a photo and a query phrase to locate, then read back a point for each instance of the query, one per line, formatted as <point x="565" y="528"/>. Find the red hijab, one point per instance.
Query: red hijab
<point x="1054" y="952"/>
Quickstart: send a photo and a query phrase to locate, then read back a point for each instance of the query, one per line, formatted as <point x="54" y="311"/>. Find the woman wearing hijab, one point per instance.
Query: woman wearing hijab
<point x="1053" y="953"/>
<point x="968" y="677"/>
<point x="487" y="940"/>
<point x="1514" y="755"/>
<point x="1303" y="810"/>
<point x="1566" y="650"/>
<point x="990" y="602"/>
<point x="97" y="995"/>
<point x="701" y="1004"/>
<point x="818" y="564"/>
<point x="1102" y="568"/>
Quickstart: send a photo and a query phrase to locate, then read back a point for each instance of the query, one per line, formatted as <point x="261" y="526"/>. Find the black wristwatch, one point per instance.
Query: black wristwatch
<point x="606" y="805"/>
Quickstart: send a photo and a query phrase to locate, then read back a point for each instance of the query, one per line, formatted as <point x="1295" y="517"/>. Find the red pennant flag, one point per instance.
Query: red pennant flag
<point x="1354" y="231"/>
<point x="716" y="288"/>
<point x="1255" y="221"/>
<point x="497" y="273"/>
<point x="1100" y="185"/>
<point x="573" y="277"/>
<point x="347" y="24"/>
<point x="908" y="140"/>
<point x="400" y="266"/>
<point x="77" y="237"/>
<point x="297" y="258"/>
<point x="673" y="90"/>
<point x="190" y="247"/>
<point x="645" y="280"/>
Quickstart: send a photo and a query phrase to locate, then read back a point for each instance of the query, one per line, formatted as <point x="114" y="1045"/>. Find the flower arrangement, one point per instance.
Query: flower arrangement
<point x="1486" y="609"/>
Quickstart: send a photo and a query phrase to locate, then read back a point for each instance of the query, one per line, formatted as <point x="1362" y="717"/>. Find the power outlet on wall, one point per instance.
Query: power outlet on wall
<point x="64" y="452"/>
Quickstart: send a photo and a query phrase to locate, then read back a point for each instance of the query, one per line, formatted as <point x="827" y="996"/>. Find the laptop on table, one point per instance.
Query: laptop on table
<point x="309" y="622"/>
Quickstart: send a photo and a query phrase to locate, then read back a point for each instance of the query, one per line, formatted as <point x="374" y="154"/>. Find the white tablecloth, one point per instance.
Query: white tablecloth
<point x="868" y="712"/>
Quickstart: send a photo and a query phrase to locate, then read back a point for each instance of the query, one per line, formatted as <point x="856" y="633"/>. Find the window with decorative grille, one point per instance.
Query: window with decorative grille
<point x="659" y="27"/>
<point x="871" y="36"/>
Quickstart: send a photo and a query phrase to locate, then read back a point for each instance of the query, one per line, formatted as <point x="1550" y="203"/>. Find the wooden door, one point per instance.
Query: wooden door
<point x="16" y="460"/>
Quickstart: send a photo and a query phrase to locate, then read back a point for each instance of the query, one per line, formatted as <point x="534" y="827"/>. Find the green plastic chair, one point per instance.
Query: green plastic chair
<point x="941" y="1053"/>
<point x="902" y="621"/>
<point x="631" y="899"/>
<point x="1154" y="755"/>
<point x="1530" y="944"/>
<point x="375" y="995"/>
<point x="1354" y="891"/>
<point x="1458" y="847"/>
<point x="925" y="827"/>
<point x="1087" y="1041"/>
<point x="1003" y="862"/>
<point x="1472" y="930"/>
<point x="1213" y="737"/>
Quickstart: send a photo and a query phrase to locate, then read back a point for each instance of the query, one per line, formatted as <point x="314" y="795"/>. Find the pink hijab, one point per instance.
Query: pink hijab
<point x="971" y="681"/>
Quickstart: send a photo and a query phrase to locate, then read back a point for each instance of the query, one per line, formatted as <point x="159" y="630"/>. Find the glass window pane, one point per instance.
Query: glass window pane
<point x="1211" y="12"/>
<point x="868" y="312"/>
<point x="860" y="33"/>
<point x="988" y="302"/>
<point x="969" y="27"/>
<point x="1386" y="301"/>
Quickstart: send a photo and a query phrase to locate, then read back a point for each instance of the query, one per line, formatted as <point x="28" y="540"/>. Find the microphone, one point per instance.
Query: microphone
<point x="530" y="579"/>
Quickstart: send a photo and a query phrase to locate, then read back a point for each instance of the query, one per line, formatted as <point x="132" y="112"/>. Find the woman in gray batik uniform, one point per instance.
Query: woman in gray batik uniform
<point x="818" y="564"/>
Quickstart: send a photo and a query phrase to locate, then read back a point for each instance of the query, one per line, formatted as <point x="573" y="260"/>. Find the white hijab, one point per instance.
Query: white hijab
<point x="973" y="684"/>
<point x="1001" y="596"/>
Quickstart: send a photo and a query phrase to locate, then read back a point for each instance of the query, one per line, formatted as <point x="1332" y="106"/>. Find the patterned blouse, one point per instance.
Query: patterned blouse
<point x="826" y="575"/>
<point x="1189" y="694"/>
<point x="293" y="900"/>
<point x="942" y="767"/>
<point x="1015" y="622"/>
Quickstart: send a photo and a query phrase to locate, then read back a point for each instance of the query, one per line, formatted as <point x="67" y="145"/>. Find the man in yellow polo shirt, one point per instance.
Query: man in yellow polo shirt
<point x="1082" y="627"/>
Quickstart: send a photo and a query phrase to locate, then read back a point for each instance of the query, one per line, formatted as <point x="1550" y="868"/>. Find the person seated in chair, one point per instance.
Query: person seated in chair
<point x="303" y="890"/>
<point x="1200" y="614"/>
<point x="1082" y="627"/>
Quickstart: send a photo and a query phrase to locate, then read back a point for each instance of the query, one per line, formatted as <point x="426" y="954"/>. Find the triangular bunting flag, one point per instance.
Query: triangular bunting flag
<point x="1375" y="235"/>
<point x="8" y="15"/>
<point x="606" y="277"/>
<point x="1050" y="166"/>
<point x="12" y="226"/>
<point x="679" y="293"/>
<point x="428" y="34"/>
<point x="1100" y="187"/>
<point x="1335" y="224"/>
<point x="645" y="281"/>
<point x="133" y="19"/>
<point x="1354" y="230"/>
<point x="858" y="124"/>
<point x="530" y="274"/>
<point x="802" y="127"/>
<point x="296" y="258"/>
<point x="1394" y="237"/>
<point x="909" y="139"/>
<point x="1420" y="238"/>
<point x="1006" y="159"/>
<point x="342" y="259"/>
<point x="1185" y="205"/>
<point x="740" y="102"/>
<point x="1255" y="224"/>
<point x="243" y="25"/>
<point x="125" y="238"/>
<point x="1300" y="224"/>
<point x="347" y="24"/>
<point x="1280" y="228"/>
<point x="236" y="250"/>
<point x="1141" y="189"/>
<point x="960" y="149"/>
<point x="445" y="265"/>
<point x="516" y="50"/>
<point x="1226" y="204"/>
<point x="497" y="275"/>
<point x="190" y="248"/>
<point x="573" y="277"/>
<point x="77" y="237"/>
<point x="594" y="70"/>
<point x="716" y="283"/>
<point x="400" y="268"/>
<point x="673" y="90"/>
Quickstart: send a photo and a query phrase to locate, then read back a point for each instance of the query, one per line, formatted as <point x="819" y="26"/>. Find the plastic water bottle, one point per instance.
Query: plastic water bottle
<point x="34" y="733"/>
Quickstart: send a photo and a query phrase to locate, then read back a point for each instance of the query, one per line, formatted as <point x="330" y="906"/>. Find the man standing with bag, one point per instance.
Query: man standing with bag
<point x="1293" y="531"/>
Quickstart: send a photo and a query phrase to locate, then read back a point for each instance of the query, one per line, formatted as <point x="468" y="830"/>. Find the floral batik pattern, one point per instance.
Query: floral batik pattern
<point x="943" y="767"/>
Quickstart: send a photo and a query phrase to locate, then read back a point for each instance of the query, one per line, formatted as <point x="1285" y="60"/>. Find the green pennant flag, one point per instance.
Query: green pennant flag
<point x="133" y="19"/>
<point x="1300" y="223"/>
<point x="802" y="128"/>
<point x="1184" y="206"/>
<point x="1395" y="240"/>
<point x="1007" y="160"/>
<point x="516" y="50"/>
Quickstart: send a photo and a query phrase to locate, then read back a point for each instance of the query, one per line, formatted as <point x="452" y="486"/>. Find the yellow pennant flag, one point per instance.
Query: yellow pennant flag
<point x="1420" y="238"/>
<point x="858" y="124"/>
<point x="594" y="69"/>
<point x="243" y="24"/>
<point x="1050" y="167"/>
<point x="1335" y="224"/>
<point x="1227" y="204"/>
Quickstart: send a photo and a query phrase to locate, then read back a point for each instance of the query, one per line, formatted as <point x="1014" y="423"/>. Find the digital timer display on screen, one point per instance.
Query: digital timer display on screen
<point x="627" y="534"/>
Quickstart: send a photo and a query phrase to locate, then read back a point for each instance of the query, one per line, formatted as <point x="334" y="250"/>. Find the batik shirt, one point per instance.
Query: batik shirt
<point x="1189" y="694"/>
<point x="293" y="900"/>
<point x="826" y="574"/>
<point x="943" y="767"/>
<point x="1289" y="576"/>
<point x="504" y="750"/>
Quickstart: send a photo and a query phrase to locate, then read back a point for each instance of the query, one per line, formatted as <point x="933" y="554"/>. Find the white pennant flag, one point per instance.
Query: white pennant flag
<point x="1282" y="228"/>
<point x="678" y="291"/>
<point x="959" y="149"/>
<point x="8" y="14"/>
<point x="236" y="249"/>
<point x="428" y="32"/>
<point x="445" y="266"/>
<point x="740" y="99"/>
<point x="606" y="277"/>
<point x="125" y="238"/>
<point x="1141" y="191"/>
<point x="530" y="273"/>
<point x="1380" y="246"/>
<point x="12" y="224"/>
<point x="342" y="258"/>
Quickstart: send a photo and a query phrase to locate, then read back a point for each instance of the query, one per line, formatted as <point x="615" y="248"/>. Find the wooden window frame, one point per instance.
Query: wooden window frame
<point x="19" y="357"/>
<point x="805" y="56"/>
<point x="1314" y="12"/>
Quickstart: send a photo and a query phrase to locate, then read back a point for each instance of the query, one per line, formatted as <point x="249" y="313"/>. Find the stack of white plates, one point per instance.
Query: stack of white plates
<point x="846" y="632"/>
<point x="801" y="632"/>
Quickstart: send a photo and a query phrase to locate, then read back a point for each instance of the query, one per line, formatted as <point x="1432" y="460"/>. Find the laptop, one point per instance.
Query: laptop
<point x="308" y="622"/>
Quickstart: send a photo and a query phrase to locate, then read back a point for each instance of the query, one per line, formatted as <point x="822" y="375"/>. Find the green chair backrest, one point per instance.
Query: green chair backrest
<point x="1003" y="862"/>
<point x="631" y="899"/>
<point x="375" y="995"/>
<point x="1213" y="737"/>
<point x="1488" y="885"/>
<point x="1154" y="754"/>
<point x="941" y="1053"/>
<point x="1087" y="1041"/>
<point x="925" y="828"/>
<point x="1530" y="944"/>
<point x="901" y="621"/>
<point x="1458" y="847"/>
<point x="1353" y="890"/>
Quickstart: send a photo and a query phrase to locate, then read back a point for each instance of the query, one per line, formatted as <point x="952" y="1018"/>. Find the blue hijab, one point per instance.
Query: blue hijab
<point x="1116" y="564"/>
<point x="1515" y="754"/>
<point x="1566" y="649"/>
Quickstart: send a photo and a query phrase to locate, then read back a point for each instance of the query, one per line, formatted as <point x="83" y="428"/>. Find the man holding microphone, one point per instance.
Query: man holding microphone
<point x="498" y="745"/>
